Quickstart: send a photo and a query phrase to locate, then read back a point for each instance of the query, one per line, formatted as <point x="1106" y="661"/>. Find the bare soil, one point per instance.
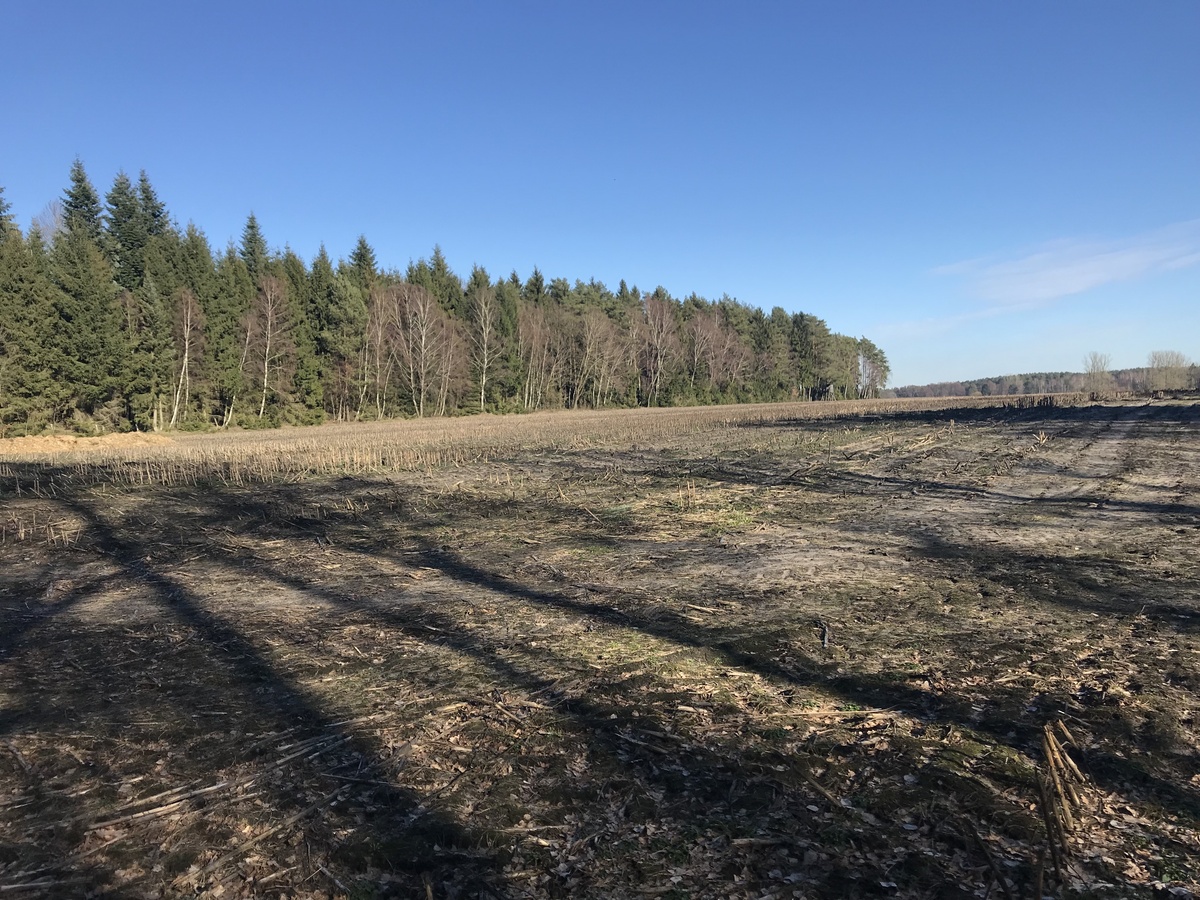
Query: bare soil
<point x="802" y="659"/>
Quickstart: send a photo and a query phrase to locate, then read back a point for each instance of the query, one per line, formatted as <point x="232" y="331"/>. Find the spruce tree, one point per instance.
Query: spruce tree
<point x="86" y="348"/>
<point x="148" y="373"/>
<point x="534" y="290"/>
<point x="436" y="276"/>
<point x="363" y="265"/>
<point x="321" y="300"/>
<point x="126" y="233"/>
<point x="338" y="316"/>
<point x="154" y="212"/>
<point x="306" y="378"/>
<point x="28" y="391"/>
<point x="225" y="315"/>
<point x="7" y="225"/>
<point x="81" y="205"/>
<point x="163" y="261"/>
<point x="197" y="271"/>
<point x="254" y="249"/>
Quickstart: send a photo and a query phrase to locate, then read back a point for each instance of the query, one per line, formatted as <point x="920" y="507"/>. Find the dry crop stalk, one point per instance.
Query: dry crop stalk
<point x="1058" y="794"/>
<point x="1052" y="825"/>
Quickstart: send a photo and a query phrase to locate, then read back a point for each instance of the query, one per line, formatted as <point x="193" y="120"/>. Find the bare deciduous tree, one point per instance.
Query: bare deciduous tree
<point x="1167" y="370"/>
<point x="268" y="344"/>
<point x="451" y="375"/>
<point x="51" y="221"/>
<point x="189" y="340"/>
<point x="485" y="314"/>
<point x="660" y="346"/>
<point x="420" y="330"/>
<point x="1097" y="378"/>
<point x="536" y="346"/>
<point x="379" y="346"/>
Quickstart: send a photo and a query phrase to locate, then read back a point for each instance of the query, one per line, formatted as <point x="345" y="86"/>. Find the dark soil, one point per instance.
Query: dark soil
<point x="811" y="659"/>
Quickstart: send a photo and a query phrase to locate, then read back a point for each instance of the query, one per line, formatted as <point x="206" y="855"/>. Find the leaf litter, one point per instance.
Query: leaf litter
<point x="926" y="655"/>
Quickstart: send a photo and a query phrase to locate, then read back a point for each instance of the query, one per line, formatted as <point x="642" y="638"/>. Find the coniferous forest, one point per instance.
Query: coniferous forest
<point x="112" y="317"/>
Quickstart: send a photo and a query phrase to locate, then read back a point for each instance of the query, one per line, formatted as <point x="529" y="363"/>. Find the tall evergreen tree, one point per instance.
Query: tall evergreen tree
<point x="7" y="225"/>
<point x="154" y="212"/>
<point x="321" y="299"/>
<point x="150" y="356"/>
<point x="338" y="315"/>
<point x="225" y="332"/>
<point x="534" y="290"/>
<point x="254" y="249"/>
<point x="436" y="276"/>
<point x="306" y="378"/>
<point x="363" y="265"/>
<point x="126" y="233"/>
<point x="812" y="355"/>
<point x="81" y="205"/>
<point x="28" y="390"/>
<point x="197" y="271"/>
<point x="86" y="351"/>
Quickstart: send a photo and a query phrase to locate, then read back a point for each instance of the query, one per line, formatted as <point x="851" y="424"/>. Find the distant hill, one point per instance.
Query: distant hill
<point x="1055" y="382"/>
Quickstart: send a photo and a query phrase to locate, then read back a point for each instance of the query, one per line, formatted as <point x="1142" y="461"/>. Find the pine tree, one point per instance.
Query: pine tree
<point x="338" y="314"/>
<point x="154" y="213"/>
<point x="446" y="285"/>
<point x="86" y="349"/>
<point x="150" y="359"/>
<point x="7" y="225"/>
<point x="28" y="391"/>
<point x="812" y="355"/>
<point x="534" y="290"/>
<point x="363" y="265"/>
<point x="306" y="381"/>
<point x="254" y="249"/>
<point x="436" y="276"/>
<point x="163" y="261"/>
<point x="126" y="233"/>
<point x="320" y="297"/>
<point x="225" y="332"/>
<point x="197" y="271"/>
<point x="81" y="205"/>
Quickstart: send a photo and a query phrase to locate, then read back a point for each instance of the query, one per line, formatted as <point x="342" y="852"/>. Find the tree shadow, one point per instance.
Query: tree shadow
<point x="133" y="689"/>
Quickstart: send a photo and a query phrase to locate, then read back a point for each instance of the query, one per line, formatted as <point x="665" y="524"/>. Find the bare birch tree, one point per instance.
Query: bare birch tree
<point x="536" y="347"/>
<point x="1097" y="378"/>
<point x="1167" y="370"/>
<point x="268" y="344"/>
<point x="419" y="328"/>
<point x="660" y="342"/>
<point x="485" y="315"/>
<point x="189" y="349"/>
<point x="453" y="350"/>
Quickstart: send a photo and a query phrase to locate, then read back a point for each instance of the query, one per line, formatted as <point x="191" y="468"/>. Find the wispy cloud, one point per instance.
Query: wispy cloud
<point x="1071" y="266"/>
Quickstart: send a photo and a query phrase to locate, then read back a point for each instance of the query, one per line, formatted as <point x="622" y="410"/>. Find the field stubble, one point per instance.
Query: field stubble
<point x="707" y="653"/>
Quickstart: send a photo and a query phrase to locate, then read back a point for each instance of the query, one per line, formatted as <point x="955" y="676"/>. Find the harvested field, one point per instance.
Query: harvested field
<point x="895" y="651"/>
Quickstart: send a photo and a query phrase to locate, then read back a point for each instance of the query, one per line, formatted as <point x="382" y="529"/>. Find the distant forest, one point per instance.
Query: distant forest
<point x="114" y="318"/>
<point x="1166" y="371"/>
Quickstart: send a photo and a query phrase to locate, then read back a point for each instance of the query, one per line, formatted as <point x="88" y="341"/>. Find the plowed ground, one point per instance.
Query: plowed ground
<point x="811" y="659"/>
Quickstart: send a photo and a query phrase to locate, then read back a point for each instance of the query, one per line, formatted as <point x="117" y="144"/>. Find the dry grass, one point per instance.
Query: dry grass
<point x="249" y="457"/>
<point x="623" y="655"/>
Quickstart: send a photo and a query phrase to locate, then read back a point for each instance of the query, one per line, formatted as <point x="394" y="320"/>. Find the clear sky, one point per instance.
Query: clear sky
<point x="980" y="188"/>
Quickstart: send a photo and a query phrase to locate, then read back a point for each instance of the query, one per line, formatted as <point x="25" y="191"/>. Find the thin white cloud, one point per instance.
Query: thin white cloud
<point x="915" y="329"/>
<point x="1071" y="266"/>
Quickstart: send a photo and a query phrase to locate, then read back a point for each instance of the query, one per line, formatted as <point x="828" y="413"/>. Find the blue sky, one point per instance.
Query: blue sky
<point x="980" y="188"/>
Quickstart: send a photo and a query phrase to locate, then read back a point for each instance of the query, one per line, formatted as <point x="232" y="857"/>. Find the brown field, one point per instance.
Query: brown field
<point x="899" y="649"/>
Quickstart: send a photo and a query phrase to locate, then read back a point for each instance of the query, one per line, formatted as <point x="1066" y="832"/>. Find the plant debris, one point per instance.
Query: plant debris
<point x="923" y="653"/>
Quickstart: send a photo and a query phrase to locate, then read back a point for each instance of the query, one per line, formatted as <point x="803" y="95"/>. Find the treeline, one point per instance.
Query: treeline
<point x="1153" y="377"/>
<point x="114" y="318"/>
